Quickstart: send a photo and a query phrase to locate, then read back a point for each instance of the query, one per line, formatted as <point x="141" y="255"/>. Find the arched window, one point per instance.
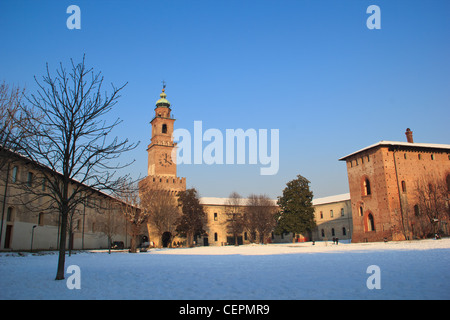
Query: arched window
<point x="323" y="233"/>
<point x="366" y="185"/>
<point x="370" y="223"/>
<point x="164" y="128"/>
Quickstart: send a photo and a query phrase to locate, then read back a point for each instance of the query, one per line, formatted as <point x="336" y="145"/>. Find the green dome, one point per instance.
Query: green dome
<point x="163" y="102"/>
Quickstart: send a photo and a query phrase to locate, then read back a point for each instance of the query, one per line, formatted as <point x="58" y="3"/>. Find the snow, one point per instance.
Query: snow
<point x="403" y="144"/>
<point x="318" y="201"/>
<point x="409" y="270"/>
<point x="331" y="199"/>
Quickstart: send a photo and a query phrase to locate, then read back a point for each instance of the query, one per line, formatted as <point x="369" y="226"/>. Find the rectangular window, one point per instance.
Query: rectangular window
<point x="41" y="219"/>
<point x="9" y="214"/>
<point x="331" y="213"/>
<point x="215" y="216"/>
<point x="30" y="179"/>
<point x="14" y="174"/>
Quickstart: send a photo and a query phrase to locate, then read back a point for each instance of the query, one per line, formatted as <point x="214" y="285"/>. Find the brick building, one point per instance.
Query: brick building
<point x="385" y="181"/>
<point x="162" y="169"/>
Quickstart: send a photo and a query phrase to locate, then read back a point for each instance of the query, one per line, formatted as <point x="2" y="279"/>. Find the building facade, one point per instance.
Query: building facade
<point x="27" y="221"/>
<point x="333" y="217"/>
<point x="385" y="181"/>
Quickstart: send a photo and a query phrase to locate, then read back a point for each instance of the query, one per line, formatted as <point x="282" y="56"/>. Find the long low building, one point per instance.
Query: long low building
<point x="27" y="222"/>
<point x="333" y="217"/>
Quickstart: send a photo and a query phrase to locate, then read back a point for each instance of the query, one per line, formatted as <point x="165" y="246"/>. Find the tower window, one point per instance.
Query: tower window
<point x="370" y="223"/>
<point x="403" y="186"/>
<point x="164" y="128"/>
<point x="366" y="185"/>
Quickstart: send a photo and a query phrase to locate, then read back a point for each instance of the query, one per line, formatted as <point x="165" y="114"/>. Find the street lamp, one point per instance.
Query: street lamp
<point x="32" y="235"/>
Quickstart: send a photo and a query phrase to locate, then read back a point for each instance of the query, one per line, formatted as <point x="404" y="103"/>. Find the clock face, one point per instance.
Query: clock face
<point x="165" y="160"/>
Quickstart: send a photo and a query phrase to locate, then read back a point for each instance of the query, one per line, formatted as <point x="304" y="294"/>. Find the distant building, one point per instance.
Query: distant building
<point x="384" y="181"/>
<point x="333" y="217"/>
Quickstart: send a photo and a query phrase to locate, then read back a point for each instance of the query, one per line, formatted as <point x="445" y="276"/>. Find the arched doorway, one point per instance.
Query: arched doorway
<point x="165" y="239"/>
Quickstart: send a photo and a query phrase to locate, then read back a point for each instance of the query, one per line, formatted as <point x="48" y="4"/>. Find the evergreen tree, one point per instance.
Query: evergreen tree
<point x="297" y="213"/>
<point x="193" y="217"/>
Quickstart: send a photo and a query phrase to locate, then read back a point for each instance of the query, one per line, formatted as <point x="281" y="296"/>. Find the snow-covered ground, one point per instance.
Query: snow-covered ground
<point x="408" y="270"/>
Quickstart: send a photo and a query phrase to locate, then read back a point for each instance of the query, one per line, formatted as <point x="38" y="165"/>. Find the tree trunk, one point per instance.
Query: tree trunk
<point x="62" y="247"/>
<point x="133" y="244"/>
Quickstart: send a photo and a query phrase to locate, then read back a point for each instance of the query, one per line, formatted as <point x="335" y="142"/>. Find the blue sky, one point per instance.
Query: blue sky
<point x="311" y="69"/>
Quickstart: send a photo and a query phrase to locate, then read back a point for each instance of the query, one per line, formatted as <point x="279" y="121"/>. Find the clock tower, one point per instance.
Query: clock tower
<point x="161" y="146"/>
<point x="162" y="169"/>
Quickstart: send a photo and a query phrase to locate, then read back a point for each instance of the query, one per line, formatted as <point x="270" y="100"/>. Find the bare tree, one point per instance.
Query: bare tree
<point x="162" y="210"/>
<point x="71" y="141"/>
<point x="131" y="209"/>
<point x="235" y="215"/>
<point x="260" y="217"/>
<point x="432" y="205"/>
<point x="11" y="135"/>
<point x="110" y="219"/>
<point x="11" y="120"/>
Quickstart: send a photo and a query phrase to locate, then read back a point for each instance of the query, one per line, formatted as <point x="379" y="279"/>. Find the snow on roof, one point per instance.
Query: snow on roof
<point x="331" y="199"/>
<point x="222" y="201"/>
<point x="402" y="144"/>
<point x="324" y="200"/>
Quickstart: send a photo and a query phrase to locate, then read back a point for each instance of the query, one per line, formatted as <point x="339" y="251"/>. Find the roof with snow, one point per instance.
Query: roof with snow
<point x="318" y="201"/>
<point x="401" y="144"/>
<point x="331" y="199"/>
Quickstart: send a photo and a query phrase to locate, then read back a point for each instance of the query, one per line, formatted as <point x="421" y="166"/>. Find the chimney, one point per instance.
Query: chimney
<point x="409" y="136"/>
